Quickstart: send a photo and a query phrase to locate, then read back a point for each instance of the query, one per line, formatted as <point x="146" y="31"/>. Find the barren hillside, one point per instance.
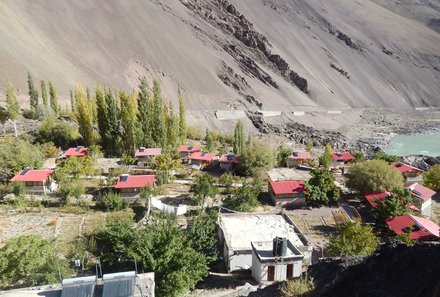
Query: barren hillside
<point x="250" y="54"/>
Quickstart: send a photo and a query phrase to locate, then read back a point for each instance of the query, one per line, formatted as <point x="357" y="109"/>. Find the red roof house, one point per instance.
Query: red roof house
<point x="418" y="228"/>
<point x="186" y="150"/>
<point x="290" y="192"/>
<point x="35" y="181"/>
<point x="422" y="196"/>
<point x="79" y="151"/>
<point x="201" y="158"/>
<point x="148" y="152"/>
<point x="228" y="161"/>
<point x="375" y="198"/>
<point x="134" y="183"/>
<point x="342" y="157"/>
<point x="407" y="170"/>
<point x="298" y="158"/>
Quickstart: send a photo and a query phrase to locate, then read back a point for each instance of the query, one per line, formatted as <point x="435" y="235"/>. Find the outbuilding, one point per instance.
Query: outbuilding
<point x="146" y="155"/>
<point x="35" y="181"/>
<point x="422" y="197"/>
<point x="288" y="192"/>
<point x="133" y="184"/>
<point x="299" y="158"/>
<point x="201" y="159"/>
<point x="228" y="162"/>
<point x="186" y="150"/>
<point x="78" y="151"/>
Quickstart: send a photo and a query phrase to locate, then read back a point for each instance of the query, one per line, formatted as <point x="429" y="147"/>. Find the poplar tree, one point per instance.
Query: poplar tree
<point x="84" y="117"/>
<point x="209" y="142"/>
<point x="144" y="115"/>
<point x="12" y="102"/>
<point x="72" y="102"/>
<point x="159" y="135"/>
<point x="173" y="128"/>
<point x="44" y="94"/>
<point x="128" y="117"/>
<point x="239" y="137"/>
<point x="33" y="93"/>
<point x="113" y="124"/>
<point x="182" y="120"/>
<point x="53" y="99"/>
<point x="92" y="103"/>
<point x="102" y="117"/>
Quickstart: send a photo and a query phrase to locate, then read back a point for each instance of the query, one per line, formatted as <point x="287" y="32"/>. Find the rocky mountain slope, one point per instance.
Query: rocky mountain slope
<point x="280" y="55"/>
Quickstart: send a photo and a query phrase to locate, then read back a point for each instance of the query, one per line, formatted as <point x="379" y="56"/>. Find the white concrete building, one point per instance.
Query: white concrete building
<point x="238" y="230"/>
<point x="268" y="265"/>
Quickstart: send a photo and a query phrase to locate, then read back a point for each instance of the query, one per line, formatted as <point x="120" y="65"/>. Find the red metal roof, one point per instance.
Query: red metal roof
<point x="134" y="181"/>
<point x="146" y="152"/>
<point x="287" y="186"/>
<point x="375" y="198"/>
<point x="189" y="148"/>
<point x="76" y="152"/>
<point x="420" y="191"/>
<point x="229" y="158"/>
<point x="30" y="175"/>
<point x="304" y="155"/>
<point x="202" y="156"/>
<point x="344" y="156"/>
<point x="405" y="167"/>
<point x="421" y="228"/>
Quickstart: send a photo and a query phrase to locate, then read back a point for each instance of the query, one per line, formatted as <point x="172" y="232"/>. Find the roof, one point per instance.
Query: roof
<point x="79" y="286"/>
<point x="30" y="175"/>
<point x="287" y="186"/>
<point x="189" y="148"/>
<point x="301" y="155"/>
<point x="134" y="181"/>
<point x="420" y="191"/>
<point x="146" y="152"/>
<point x="421" y="228"/>
<point x="202" y="156"/>
<point x="240" y="229"/>
<point x="402" y="167"/>
<point x="374" y="198"/>
<point x="344" y="156"/>
<point x="121" y="284"/>
<point x="229" y="158"/>
<point x="76" y="152"/>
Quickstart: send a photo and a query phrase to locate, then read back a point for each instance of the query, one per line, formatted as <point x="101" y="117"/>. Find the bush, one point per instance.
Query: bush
<point x="256" y="157"/>
<point x="300" y="287"/>
<point x="113" y="202"/>
<point x="431" y="178"/>
<point x="62" y="134"/>
<point x="31" y="114"/>
<point x="385" y="157"/>
<point x="283" y="153"/>
<point x="19" y="189"/>
<point x="195" y="133"/>
<point x="244" y="198"/>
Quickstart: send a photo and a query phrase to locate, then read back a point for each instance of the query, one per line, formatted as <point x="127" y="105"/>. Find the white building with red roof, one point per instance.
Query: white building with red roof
<point x="133" y="184"/>
<point x="146" y="155"/>
<point x="422" y="197"/>
<point x="35" y="181"/>
<point x="342" y="159"/>
<point x="298" y="158"/>
<point x="79" y="151"/>
<point x="407" y="170"/>
<point x="418" y="228"/>
<point x="288" y="192"/>
<point x="187" y="150"/>
<point x="201" y="159"/>
<point x="228" y="162"/>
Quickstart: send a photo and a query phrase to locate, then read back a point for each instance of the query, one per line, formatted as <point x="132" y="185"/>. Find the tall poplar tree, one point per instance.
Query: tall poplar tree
<point x="183" y="129"/>
<point x="44" y="94"/>
<point x="84" y="117"/>
<point x="128" y="117"/>
<point x="102" y="117"/>
<point x="239" y="138"/>
<point x="159" y="134"/>
<point x="113" y="124"/>
<point x="12" y="102"/>
<point x="33" y="93"/>
<point x="92" y="103"/>
<point x="53" y="99"/>
<point x="172" y="128"/>
<point x="209" y="142"/>
<point x="72" y="102"/>
<point x="144" y="115"/>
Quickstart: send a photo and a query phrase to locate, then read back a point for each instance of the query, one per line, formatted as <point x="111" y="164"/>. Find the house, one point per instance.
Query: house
<point x="146" y="155"/>
<point x="407" y="170"/>
<point x="133" y="184"/>
<point x="35" y="181"/>
<point x="342" y="159"/>
<point x="299" y="158"/>
<point x="201" y="159"/>
<point x="187" y="150"/>
<point x="228" y="162"/>
<point x="237" y="231"/>
<point x="78" y="151"/>
<point x="288" y="192"/>
<point x="276" y="260"/>
<point x="374" y="198"/>
<point x="422" y="197"/>
<point x="418" y="228"/>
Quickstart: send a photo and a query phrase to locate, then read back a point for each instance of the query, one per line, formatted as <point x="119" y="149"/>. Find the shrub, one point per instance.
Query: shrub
<point x="300" y="287"/>
<point x="62" y="134"/>
<point x="113" y="202"/>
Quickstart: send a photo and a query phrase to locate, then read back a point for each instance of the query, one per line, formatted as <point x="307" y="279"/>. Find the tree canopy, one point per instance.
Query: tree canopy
<point x="326" y="160"/>
<point x="431" y="178"/>
<point x="244" y="198"/>
<point x="203" y="187"/>
<point x="321" y="186"/>
<point x="395" y="205"/>
<point x="255" y="158"/>
<point x="374" y="176"/>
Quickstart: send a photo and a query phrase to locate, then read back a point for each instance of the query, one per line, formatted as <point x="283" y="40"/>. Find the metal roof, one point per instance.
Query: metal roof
<point x="119" y="284"/>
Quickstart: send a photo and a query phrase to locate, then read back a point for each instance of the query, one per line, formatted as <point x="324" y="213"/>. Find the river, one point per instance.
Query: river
<point x="420" y="144"/>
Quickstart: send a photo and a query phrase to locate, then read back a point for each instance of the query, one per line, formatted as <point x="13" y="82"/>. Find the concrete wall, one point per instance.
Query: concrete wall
<point x="425" y="207"/>
<point x="259" y="270"/>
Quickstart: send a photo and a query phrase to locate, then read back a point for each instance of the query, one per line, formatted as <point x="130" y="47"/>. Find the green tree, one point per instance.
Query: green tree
<point x="128" y="118"/>
<point x="113" y="202"/>
<point x="239" y="138"/>
<point x="244" y="198"/>
<point x="374" y="176"/>
<point x="283" y="154"/>
<point x="12" y="102"/>
<point x="183" y="129"/>
<point x="209" y="142"/>
<point x="321" y="186"/>
<point x="53" y="99"/>
<point x="359" y="156"/>
<point x="431" y="178"/>
<point x="44" y="94"/>
<point x="203" y="187"/>
<point x="395" y="205"/>
<point x="164" y="164"/>
<point x="227" y="179"/>
<point x="30" y="260"/>
<point x="74" y="168"/>
<point x="62" y="134"/>
<point x="202" y="234"/>
<point x="172" y="128"/>
<point x="326" y="160"/>
<point x="255" y="159"/>
<point x="353" y="240"/>
<point x="33" y="93"/>
<point x="102" y="119"/>
<point x="159" y="135"/>
<point x="309" y="145"/>
<point x="84" y="117"/>
<point x="72" y="102"/>
<point x="112" y="146"/>
<point x="144" y="115"/>
<point x="388" y="158"/>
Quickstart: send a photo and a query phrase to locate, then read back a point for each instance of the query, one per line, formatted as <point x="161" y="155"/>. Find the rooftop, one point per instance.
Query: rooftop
<point x="202" y="156"/>
<point x="31" y="175"/>
<point x="301" y="155"/>
<point x="264" y="250"/>
<point x="134" y="181"/>
<point x="420" y="191"/>
<point x="76" y="152"/>
<point x="146" y="152"/>
<point x="241" y="229"/>
<point x="277" y="174"/>
<point x="287" y="186"/>
<point x="342" y="156"/>
<point x="189" y="148"/>
<point x="229" y="158"/>
<point x="417" y="227"/>
<point x="402" y="167"/>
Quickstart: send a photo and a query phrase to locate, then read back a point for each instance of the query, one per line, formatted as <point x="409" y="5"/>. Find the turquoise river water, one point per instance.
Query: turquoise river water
<point x="420" y="144"/>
